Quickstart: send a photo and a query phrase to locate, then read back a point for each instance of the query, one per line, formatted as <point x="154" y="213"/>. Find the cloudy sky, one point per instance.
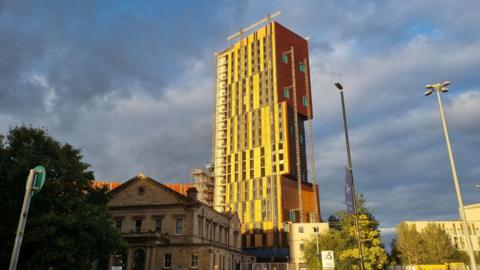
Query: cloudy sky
<point x="131" y="83"/>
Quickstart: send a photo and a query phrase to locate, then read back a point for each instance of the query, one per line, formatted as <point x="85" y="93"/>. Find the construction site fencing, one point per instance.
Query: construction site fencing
<point x="446" y="266"/>
<point x="265" y="266"/>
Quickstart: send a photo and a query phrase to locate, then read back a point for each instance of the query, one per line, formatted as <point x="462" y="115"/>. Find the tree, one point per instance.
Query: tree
<point x="437" y="246"/>
<point x="68" y="225"/>
<point x="342" y="240"/>
<point x="431" y="246"/>
<point x="374" y="255"/>
<point x="331" y="240"/>
<point x="408" y="246"/>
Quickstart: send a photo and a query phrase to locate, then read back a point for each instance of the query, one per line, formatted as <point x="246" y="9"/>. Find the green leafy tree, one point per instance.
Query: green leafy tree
<point x="374" y="255"/>
<point x="68" y="225"/>
<point x="431" y="246"/>
<point x="437" y="245"/>
<point x="408" y="246"/>
<point x="393" y="258"/>
<point x="331" y="240"/>
<point x="342" y="240"/>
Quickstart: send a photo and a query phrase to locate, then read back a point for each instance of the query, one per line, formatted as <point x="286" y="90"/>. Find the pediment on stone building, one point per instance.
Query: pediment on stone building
<point x="143" y="190"/>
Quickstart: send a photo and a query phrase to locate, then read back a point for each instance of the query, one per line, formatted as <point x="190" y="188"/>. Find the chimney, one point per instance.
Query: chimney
<point x="192" y="193"/>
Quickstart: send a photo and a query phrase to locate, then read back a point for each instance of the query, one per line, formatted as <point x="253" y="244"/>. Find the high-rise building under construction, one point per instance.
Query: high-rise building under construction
<point x="262" y="100"/>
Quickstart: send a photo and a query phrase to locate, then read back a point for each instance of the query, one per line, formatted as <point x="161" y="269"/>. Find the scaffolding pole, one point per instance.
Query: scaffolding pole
<point x="312" y="154"/>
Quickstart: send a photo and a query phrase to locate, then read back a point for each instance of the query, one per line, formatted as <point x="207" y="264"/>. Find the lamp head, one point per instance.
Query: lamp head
<point x="446" y="83"/>
<point x="428" y="86"/>
<point x="339" y="86"/>
<point x="444" y="89"/>
<point x="428" y="92"/>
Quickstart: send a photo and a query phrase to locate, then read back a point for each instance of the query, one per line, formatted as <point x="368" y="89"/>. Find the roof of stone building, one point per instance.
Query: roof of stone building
<point x="165" y="187"/>
<point x="180" y="188"/>
<point x="111" y="185"/>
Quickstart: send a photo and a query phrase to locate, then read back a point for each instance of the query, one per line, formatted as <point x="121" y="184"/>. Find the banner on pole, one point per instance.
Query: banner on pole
<point x="349" y="190"/>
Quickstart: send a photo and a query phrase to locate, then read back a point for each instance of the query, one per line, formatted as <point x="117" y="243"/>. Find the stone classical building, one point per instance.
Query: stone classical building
<point x="167" y="230"/>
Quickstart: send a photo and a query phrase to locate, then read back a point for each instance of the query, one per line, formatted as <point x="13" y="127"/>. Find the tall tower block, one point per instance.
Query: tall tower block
<point x="262" y="99"/>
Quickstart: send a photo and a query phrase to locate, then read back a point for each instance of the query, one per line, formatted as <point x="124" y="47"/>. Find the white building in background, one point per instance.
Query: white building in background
<point x="299" y="234"/>
<point x="454" y="228"/>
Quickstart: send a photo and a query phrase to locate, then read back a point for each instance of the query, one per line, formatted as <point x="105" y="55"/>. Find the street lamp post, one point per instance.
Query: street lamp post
<point x="318" y="249"/>
<point x="440" y="88"/>
<point x="349" y="159"/>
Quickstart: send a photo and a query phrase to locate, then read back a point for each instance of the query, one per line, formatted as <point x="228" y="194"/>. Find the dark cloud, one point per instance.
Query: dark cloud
<point x="132" y="83"/>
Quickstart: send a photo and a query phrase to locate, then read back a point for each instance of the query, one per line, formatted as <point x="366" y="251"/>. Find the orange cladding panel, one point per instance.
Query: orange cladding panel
<point x="284" y="40"/>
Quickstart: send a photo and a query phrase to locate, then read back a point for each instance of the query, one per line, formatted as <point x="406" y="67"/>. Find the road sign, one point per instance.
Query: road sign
<point x="328" y="260"/>
<point x="38" y="179"/>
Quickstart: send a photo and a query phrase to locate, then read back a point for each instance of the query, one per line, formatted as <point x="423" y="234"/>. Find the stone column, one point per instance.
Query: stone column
<point x="147" y="257"/>
<point x="129" y="258"/>
<point x="153" y="258"/>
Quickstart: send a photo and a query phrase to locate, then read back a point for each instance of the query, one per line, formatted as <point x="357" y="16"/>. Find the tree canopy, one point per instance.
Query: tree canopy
<point x="341" y="239"/>
<point x="68" y="225"/>
<point x="430" y="246"/>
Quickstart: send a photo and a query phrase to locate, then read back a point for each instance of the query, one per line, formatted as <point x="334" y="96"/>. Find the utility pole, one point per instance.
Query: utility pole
<point x="441" y="88"/>
<point x="349" y="160"/>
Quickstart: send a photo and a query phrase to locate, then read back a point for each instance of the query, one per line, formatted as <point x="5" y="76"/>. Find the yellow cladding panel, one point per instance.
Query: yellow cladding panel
<point x="227" y="189"/>
<point x="250" y="189"/>
<point x="250" y="133"/>
<point x="236" y="48"/>
<point x="247" y="212"/>
<point x="235" y="119"/>
<point x="249" y="58"/>
<point x="279" y="196"/>
<point x="265" y="126"/>
<point x="229" y="66"/>
<point x="261" y="54"/>
<point x="260" y="35"/>
<point x="268" y="225"/>
<point x="256" y="91"/>
<point x="235" y="191"/>
<point x="264" y="187"/>
<point x="274" y="62"/>
<point x="247" y="95"/>
<point x="229" y="124"/>
<point x="234" y="187"/>
<point x="247" y="159"/>
<point x="266" y="137"/>
<point x="256" y="162"/>
<point x="258" y="210"/>
<point x="232" y="164"/>
<point x="233" y="106"/>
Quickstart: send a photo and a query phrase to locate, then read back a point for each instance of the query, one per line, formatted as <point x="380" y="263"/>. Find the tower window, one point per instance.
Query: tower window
<point x="286" y="93"/>
<point x="302" y="67"/>
<point x="285" y="58"/>
<point x="305" y="101"/>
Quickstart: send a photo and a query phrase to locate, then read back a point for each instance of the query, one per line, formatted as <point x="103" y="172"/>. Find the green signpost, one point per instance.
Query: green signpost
<point x="39" y="179"/>
<point x="35" y="182"/>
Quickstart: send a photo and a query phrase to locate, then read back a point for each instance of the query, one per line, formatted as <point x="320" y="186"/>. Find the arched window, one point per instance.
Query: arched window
<point x="139" y="260"/>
